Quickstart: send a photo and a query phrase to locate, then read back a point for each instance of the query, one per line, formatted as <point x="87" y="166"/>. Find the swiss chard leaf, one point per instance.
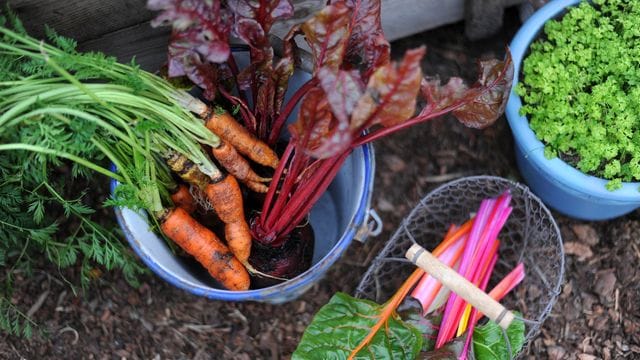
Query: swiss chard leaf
<point x="411" y="312"/>
<point x="486" y="101"/>
<point x="343" y="89"/>
<point x="253" y="21"/>
<point x="316" y="129"/>
<point x="342" y="323"/>
<point x="367" y="48"/>
<point x="450" y="351"/>
<point x="438" y="96"/>
<point x="265" y="12"/>
<point x="327" y="35"/>
<point x="285" y="67"/>
<point x="478" y="106"/>
<point x="489" y="342"/>
<point x="185" y="62"/>
<point x="390" y="97"/>
<point x="200" y="36"/>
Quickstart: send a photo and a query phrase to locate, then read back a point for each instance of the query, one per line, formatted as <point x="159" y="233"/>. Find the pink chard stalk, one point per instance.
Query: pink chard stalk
<point x="356" y="94"/>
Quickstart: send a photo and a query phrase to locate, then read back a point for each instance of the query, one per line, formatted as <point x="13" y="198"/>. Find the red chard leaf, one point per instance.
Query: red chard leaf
<point x="450" y="351"/>
<point x="317" y="129"/>
<point x="250" y="31"/>
<point x="486" y="100"/>
<point x="201" y="26"/>
<point x="367" y="48"/>
<point x="200" y="36"/>
<point x="327" y="35"/>
<point x="439" y="97"/>
<point x="390" y="97"/>
<point x="184" y="61"/>
<point x="285" y="67"/>
<point x="343" y="90"/>
<point x="265" y="12"/>
<point x="264" y="108"/>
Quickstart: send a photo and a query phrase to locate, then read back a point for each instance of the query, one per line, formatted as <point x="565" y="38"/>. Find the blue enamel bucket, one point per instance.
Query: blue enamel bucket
<point x="340" y="215"/>
<point x="559" y="185"/>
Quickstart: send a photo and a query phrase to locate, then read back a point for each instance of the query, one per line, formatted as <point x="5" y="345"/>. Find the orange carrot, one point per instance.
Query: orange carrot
<point x="235" y="164"/>
<point x="187" y="170"/>
<point x="226" y="127"/>
<point x="205" y="247"/>
<point x="182" y="198"/>
<point x="226" y="199"/>
<point x="239" y="239"/>
<point x="257" y="187"/>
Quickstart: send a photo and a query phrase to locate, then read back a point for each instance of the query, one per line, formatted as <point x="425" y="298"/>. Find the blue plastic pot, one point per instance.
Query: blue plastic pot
<point x="558" y="184"/>
<point x="340" y="215"/>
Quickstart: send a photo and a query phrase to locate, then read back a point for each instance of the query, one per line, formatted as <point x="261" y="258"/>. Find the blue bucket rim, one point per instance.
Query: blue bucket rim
<point x="291" y="286"/>
<point x="533" y="149"/>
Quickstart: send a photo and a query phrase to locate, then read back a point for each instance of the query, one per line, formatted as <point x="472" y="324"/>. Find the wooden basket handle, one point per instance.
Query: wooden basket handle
<point x="459" y="285"/>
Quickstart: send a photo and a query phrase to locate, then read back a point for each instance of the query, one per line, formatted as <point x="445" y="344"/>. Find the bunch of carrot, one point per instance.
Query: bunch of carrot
<point x="472" y="250"/>
<point x="227" y="263"/>
<point x="147" y="129"/>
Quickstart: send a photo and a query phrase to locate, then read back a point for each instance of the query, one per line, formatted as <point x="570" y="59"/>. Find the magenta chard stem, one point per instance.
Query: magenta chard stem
<point x="278" y="124"/>
<point x="247" y="117"/>
<point x="377" y="134"/>
<point x="277" y="176"/>
<point x="297" y="165"/>
<point x="325" y="179"/>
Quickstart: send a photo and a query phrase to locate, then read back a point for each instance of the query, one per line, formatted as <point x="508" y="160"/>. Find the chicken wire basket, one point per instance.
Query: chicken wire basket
<point x="530" y="236"/>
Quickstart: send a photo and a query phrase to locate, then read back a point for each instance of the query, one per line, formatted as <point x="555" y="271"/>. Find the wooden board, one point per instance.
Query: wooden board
<point x="89" y="19"/>
<point x="81" y="19"/>
<point x="148" y="45"/>
<point x="121" y="27"/>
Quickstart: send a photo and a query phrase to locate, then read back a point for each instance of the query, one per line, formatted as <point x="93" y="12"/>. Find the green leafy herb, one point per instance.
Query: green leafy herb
<point x="581" y="89"/>
<point x="489" y="342"/>
<point x="342" y="323"/>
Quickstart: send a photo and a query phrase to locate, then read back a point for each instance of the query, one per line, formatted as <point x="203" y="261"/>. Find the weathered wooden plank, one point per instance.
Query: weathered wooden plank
<point x="90" y="19"/>
<point x="148" y="45"/>
<point x="121" y="28"/>
<point x="81" y="19"/>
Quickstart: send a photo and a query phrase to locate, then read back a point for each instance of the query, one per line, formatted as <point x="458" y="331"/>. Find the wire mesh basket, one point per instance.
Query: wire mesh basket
<point x="530" y="235"/>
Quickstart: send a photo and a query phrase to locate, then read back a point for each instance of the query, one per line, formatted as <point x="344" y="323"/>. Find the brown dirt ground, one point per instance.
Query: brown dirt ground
<point x="597" y="315"/>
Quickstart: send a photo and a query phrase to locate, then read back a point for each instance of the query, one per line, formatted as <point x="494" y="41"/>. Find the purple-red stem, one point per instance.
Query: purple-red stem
<point x="247" y="117"/>
<point x="302" y="194"/>
<point x="377" y="134"/>
<point x="266" y="206"/>
<point x="318" y="190"/>
<point x="278" y="124"/>
<point x="296" y="165"/>
<point x="473" y="317"/>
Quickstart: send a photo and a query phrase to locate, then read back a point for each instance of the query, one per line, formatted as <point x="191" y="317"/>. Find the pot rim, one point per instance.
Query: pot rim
<point x="532" y="148"/>
<point x="288" y="287"/>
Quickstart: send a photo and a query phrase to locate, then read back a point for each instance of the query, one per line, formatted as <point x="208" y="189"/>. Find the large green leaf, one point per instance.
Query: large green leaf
<point x="342" y="323"/>
<point x="489" y="342"/>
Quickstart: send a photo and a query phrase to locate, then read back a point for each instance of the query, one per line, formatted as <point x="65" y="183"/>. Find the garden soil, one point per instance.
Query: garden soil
<point x="597" y="315"/>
